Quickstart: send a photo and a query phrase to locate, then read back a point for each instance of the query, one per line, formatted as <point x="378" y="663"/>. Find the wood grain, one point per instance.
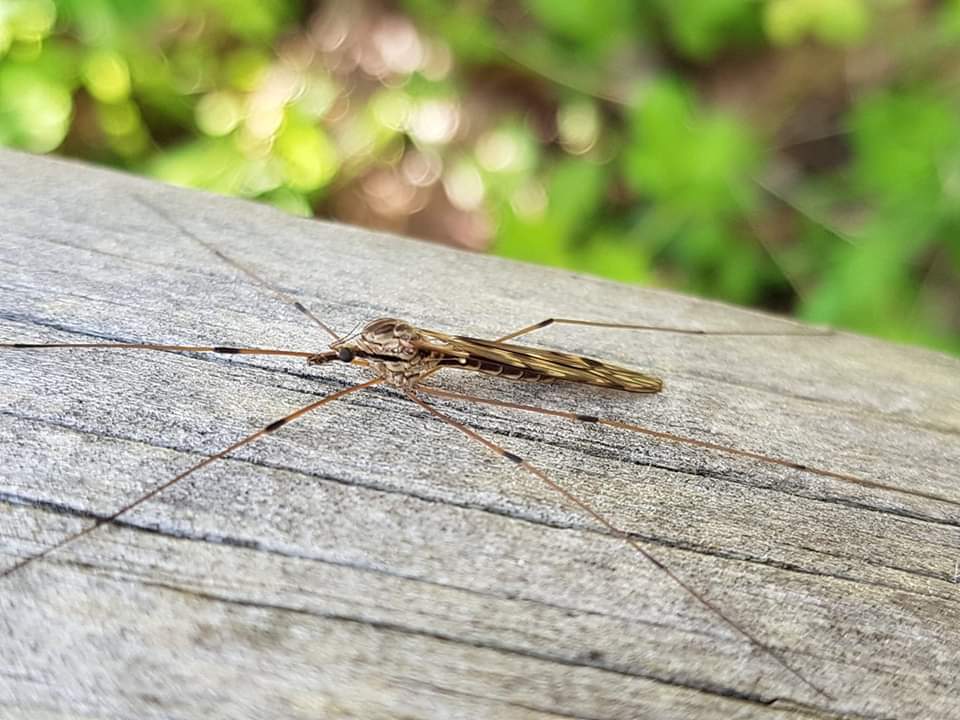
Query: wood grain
<point x="369" y="562"/>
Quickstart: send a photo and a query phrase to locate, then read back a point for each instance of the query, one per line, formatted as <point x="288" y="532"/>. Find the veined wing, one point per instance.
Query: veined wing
<point x="519" y="362"/>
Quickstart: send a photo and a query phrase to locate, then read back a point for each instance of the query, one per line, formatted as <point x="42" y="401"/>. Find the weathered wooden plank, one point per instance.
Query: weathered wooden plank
<point x="369" y="562"/>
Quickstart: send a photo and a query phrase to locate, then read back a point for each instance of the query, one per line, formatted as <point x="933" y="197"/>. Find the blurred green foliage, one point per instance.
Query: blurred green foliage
<point x="800" y="155"/>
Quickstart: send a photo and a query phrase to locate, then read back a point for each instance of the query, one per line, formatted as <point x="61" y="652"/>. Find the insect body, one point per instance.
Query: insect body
<point x="404" y="355"/>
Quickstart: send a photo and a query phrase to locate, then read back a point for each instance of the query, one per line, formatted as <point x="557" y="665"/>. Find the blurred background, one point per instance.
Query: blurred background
<point x="801" y="156"/>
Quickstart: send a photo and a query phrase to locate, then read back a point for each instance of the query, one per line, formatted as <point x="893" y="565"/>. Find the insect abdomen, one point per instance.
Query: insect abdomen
<point x="497" y="369"/>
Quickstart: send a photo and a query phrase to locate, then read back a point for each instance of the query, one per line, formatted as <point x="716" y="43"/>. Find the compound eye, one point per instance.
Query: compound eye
<point x="346" y="355"/>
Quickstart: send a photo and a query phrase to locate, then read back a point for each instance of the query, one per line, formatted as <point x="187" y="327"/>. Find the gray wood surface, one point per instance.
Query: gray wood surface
<point x="370" y="562"/>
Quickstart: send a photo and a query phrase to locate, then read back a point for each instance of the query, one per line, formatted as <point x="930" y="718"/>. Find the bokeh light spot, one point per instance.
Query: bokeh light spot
<point x="106" y="76"/>
<point x="310" y="159"/>
<point x="121" y="118"/>
<point x="399" y="45"/>
<point x="262" y="123"/>
<point x="506" y="150"/>
<point x="218" y="113"/>
<point x="530" y="201"/>
<point x="28" y="20"/>
<point x="392" y="109"/>
<point x="435" y="121"/>
<point x="36" y="112"/>
<point x="421" y="168"/>
<point x="464" y="186"/>
<point x="319" y="95"/>
<point x="578" y="124"/>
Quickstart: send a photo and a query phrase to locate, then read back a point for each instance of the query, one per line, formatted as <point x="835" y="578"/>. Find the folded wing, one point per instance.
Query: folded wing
<point x="519" y="362"/>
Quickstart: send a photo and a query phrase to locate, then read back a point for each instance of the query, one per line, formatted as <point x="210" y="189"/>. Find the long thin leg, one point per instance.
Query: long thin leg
<point x="681" y="331"/>
<point x="297" y="305"/>
<point x="221" y="349"/>
<point x="623" y="535"/>
<point x="156" y="490"/>
<point x="680" y="439"/>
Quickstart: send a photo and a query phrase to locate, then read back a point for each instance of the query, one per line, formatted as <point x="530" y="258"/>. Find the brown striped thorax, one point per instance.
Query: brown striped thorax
<point x="399" y="352"/>
<point x="404" y="355"/>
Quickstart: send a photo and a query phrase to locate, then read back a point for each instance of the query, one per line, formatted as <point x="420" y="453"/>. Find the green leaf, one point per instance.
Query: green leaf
<point x="574" y="192"/>
<point x="700" y="28"/>
<point x="901" y="142"/>
<point x="590" y="25"/>
<point x="615" y="256"/>
<point x="701" y="164"/>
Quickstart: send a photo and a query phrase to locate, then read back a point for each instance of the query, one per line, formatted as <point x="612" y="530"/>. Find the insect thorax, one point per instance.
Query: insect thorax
<point x="390" y="347"/>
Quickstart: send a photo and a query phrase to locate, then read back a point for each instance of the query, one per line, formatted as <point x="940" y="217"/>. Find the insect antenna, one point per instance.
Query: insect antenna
<point x="156" y="490"/>
<point x="623" y="535"/>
